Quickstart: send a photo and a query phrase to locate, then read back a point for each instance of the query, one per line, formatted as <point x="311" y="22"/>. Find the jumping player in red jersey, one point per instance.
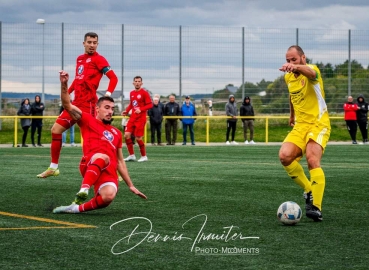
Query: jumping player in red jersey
<point x="90" y="68"/>
<point x="140" y="103"/>
<point x="102" y="154"/>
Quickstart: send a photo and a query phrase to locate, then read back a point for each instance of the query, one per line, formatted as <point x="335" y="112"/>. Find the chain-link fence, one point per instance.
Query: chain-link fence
<point x="203" y="62"/>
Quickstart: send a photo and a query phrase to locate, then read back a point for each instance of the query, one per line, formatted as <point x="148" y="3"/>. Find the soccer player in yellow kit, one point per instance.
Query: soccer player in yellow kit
<point x="311" y="128"/>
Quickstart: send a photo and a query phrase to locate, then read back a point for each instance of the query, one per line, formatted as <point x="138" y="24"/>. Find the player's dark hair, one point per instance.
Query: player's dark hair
<point x="298" y="49"/>
<point x="137" y="77"/>
<point x="91" y="34"/>
<point x="103" y="99"/>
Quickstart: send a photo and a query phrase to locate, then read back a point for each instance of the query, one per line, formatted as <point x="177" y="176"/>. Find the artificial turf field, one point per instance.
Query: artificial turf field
<point x="193" y="192"/>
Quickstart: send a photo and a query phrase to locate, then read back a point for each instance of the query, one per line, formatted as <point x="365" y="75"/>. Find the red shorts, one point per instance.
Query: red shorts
<point x="108" y="174"/>
<point x="136" y="127"/>
<point x="65" y="120"/>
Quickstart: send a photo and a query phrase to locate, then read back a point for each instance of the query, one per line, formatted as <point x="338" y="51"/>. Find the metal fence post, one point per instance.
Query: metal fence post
<point x="180" y="61"/>
<point x="243" y="63"/>
<point x="349" y="64"/>
<point x="122" y="72"/>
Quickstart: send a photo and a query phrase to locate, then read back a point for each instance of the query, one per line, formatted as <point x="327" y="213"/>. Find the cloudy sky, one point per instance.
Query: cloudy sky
<point x="341" y="14"/>
<point x="332" y="18"/>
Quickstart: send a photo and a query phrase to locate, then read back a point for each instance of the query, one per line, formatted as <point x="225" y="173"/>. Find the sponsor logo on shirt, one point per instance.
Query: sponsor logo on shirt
<point x="108" y="135"/>
<point x="114" y="131"/>
<point x="81" y="68"/>
<point x="134" y="103"/>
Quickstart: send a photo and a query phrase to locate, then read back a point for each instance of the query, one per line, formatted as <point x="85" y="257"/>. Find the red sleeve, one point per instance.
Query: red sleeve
<point x="113" y="80"/>
<point x="101" y="62"/>
<point x="71" y="87"/>
<point x="129" y="107"/>
<point x="148" y="102"/>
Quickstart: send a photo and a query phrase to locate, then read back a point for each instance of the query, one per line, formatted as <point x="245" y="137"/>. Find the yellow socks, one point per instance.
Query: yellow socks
<point x="317" y="186"/>
<point x="296" y="172"/>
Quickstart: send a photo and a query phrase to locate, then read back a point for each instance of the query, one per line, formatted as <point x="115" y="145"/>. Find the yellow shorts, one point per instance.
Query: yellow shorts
<point x="302" y="133"/>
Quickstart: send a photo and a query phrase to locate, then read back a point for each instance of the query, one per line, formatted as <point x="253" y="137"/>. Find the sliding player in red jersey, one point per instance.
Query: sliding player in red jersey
<point x="90" y="68"/>
<point x="140" y="103"/>
<point x="102" y="154"/>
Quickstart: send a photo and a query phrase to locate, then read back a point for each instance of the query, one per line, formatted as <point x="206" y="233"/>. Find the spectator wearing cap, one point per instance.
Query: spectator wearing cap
<point x="188" y="110"/>
<point x="231" y="112"/>
<point x="248" y="123"/>
<point x="171" y="109"/>
<point x="156" y="114"/>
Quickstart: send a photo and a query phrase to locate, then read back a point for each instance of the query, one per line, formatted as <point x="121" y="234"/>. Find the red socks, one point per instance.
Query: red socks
<point x="141" y="144"/>
<point x="95" y="203"/>
<point x="93" y="173"/>
<point x="56" y="145"/>
<point x="129" y="144"/>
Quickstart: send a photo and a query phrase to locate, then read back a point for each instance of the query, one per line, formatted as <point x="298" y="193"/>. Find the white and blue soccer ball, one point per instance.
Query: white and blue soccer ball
<point x="289" y="213"/>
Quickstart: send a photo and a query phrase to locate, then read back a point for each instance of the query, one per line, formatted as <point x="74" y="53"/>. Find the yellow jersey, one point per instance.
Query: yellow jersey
<point x="307" y="97"/>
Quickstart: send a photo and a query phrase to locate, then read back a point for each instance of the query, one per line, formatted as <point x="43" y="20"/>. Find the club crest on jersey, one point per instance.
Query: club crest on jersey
<point x="302" y="82"/>
<point x="80" y="69"/>
<point x="134" y="103"/>
<point x="139" y="96"/>
<point x="108" y="135"/>
<point x="88" y="60"/>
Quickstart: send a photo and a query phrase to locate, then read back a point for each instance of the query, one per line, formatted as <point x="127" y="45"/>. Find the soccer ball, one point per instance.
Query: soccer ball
<point x="289" y="213"/>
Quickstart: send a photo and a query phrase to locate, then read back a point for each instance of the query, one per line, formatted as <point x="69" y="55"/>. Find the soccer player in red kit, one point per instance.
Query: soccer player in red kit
<point x="90" y="68"/>
<point x="140" y="103"/>
<point x="102" y="154"/>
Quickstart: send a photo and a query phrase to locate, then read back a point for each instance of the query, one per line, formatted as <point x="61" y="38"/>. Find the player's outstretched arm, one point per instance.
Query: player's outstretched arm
<point x="299" y="69"/>
<point x="122" y="169"/>
<point x="74" y="112"/>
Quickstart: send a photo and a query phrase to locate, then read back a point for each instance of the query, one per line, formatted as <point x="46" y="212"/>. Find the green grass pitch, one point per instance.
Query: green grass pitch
<point x="196" y="196"/>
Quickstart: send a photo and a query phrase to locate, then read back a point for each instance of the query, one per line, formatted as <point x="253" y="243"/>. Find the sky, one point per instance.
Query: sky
<point x="256" y="14"/>
<point x="341" y="14"/>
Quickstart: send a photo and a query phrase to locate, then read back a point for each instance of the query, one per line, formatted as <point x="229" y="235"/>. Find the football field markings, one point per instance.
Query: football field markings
<point x="67" y="225"/>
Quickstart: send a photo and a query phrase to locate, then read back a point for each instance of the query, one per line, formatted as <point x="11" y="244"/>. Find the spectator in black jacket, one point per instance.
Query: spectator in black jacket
<point x="37" y="109"/>
<point x="362" y="117"/>
<point x="156" y="114"/>
<point x="25" y="110"/>
<point x="248" y="123"/>
<point x="171" y="109"/>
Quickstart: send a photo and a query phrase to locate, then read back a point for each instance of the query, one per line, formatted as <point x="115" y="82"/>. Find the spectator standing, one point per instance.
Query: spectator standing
<point x="71" y="133"/>
<point x="171" y="109"/>
<point x="156" y="114"/>
<point x="248" y="123"/>
<point x="231" y="110"/>
<point x="188" y="109"/>
<point x="350" y="109"/>
<point x="25" y="110"/>
<point x="37" y="109"/>
<point x="362" y="117"/>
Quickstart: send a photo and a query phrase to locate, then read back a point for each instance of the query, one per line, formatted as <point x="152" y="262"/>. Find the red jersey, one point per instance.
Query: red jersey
<point x="350" y="111"/>
<point x="89" y="71"/>
<point x="100" y="138"/>
<point x="139" y="99"/>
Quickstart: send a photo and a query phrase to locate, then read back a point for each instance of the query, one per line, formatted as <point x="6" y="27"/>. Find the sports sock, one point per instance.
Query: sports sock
<point x="317" y="186"/>
<point x="141" y="144"/>
<point x="56" y="145"/>
<point x="296" y="172"/>
<point x="95" y="203"/>
<point x="93" y="172"/>
<point x="129" y="144"/>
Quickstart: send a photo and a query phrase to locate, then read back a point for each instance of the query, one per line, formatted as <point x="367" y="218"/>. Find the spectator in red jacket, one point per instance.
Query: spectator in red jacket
<point x="350" y="109"/>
